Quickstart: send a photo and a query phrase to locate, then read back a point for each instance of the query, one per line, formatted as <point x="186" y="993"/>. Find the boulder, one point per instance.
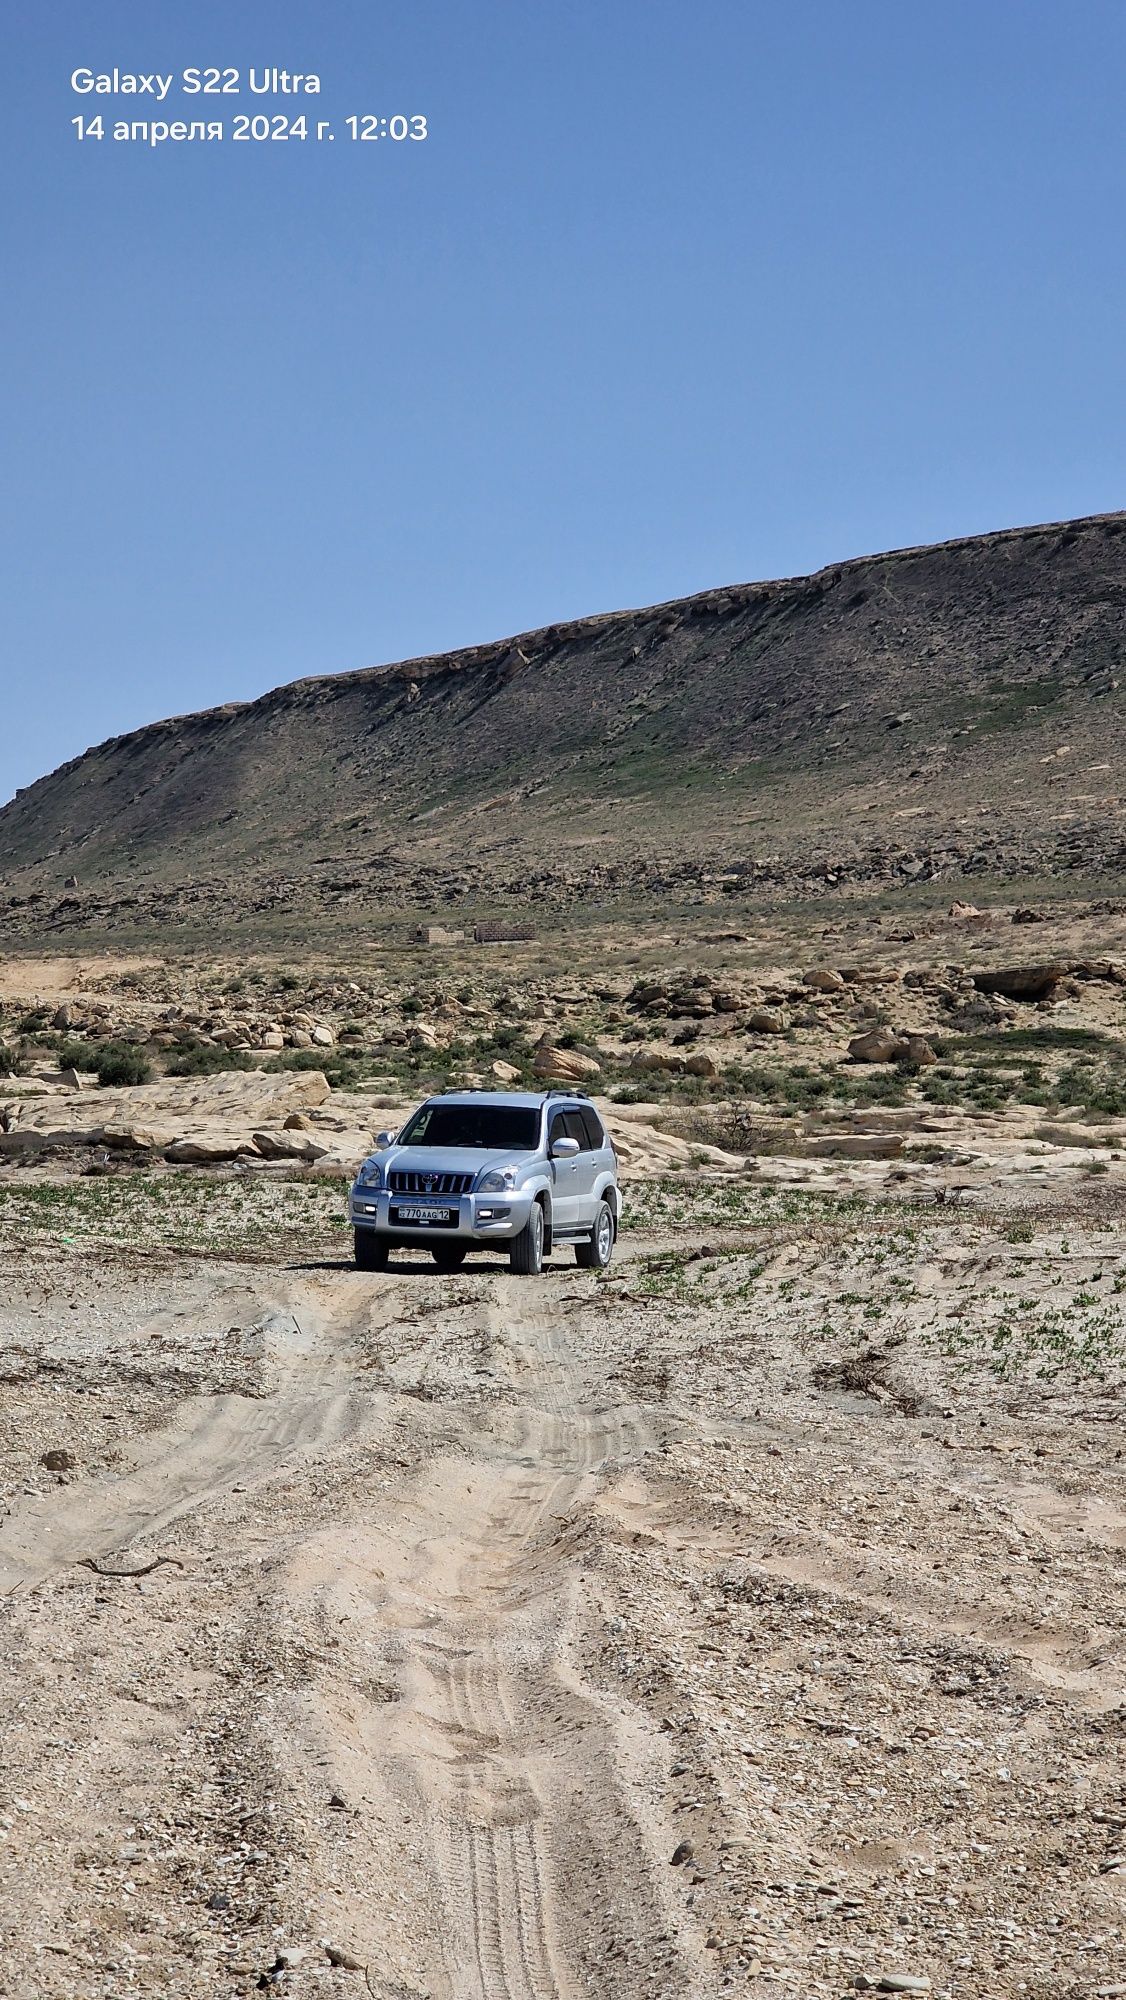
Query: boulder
<point x="135" y="1138"/>
<point x="878" y="1045"/>
<point x="288" y="1146"/>
<point x="823" y="980"/>
<point x="1020" y="982"/>
<point x="767" y="1021"/>
<point x="919" y="1051"/>
<point x="323" y="1037"/>
<point x="204" y="1151"/>
<point x="564" y="1065"/>
<point x="272" y="1038"/>
<point x="701" y="1064"/>
<point x="506" y="1072"/>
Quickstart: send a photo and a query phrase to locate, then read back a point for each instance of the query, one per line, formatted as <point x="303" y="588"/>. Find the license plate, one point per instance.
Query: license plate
<point x="421" y="1211"/>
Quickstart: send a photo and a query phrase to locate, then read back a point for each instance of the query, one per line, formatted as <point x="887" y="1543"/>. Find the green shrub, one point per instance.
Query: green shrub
<point x="11" y="1060"/>
<point x="121" y="1063"/>
<point x="203" y="1061"/>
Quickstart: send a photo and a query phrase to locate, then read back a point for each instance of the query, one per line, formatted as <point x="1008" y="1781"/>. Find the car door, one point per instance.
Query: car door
<point x="586" y="1168"/>
<point x="564" y="1177"/>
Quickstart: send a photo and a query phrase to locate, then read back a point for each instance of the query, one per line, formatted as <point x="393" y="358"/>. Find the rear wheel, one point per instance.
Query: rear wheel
<point x="596" y="1254"/>
<point x="526" y="1254"/>
<point x="448" y="1256"/>
<point x="371" y="1251"/>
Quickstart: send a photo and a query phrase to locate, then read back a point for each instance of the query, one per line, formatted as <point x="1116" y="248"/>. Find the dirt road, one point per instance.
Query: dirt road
<point x="527" y="1640"/>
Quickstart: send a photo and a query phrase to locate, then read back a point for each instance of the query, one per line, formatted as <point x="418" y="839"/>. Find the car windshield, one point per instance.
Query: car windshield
<point x="509" y="1128"/>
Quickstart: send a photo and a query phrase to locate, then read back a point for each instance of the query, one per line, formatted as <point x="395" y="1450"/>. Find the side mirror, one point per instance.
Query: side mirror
<point x="565" y="1149"/>
<point x="383" y="1140"/>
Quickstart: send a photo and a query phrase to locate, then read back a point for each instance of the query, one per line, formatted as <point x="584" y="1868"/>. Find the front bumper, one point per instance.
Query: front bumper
<point x="475" y="1218"/>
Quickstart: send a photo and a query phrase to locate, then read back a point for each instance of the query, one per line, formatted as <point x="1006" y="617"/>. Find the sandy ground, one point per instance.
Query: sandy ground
<point x="750" y="1621"/>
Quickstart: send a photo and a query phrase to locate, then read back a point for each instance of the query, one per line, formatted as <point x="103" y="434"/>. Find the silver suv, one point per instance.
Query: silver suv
<point x="490" y="1170"/>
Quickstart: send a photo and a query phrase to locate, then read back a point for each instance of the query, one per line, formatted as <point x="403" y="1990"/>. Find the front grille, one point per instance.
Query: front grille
<point x="404" y="1182"/>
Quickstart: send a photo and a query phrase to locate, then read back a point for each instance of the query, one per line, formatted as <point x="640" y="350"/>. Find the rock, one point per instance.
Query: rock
<point x="297" y="1122"/>
<point x="855" y="1146"/>
<point x="58" y="1460"/>
<point x="300" y="1038"/>
<point x="1024" y="915"/>
<point x="823" y="981"/>
<point x="506" y="1072"/>
<point x="904" y="1982"/>
<point x="344" y="1959"/>
<point x="977" y="1014"/>
<point x="288" y="1146"/>
<point x="135" y="1138"/>
<point x="272" y="1038"/>
<point x="767" y="1021"/>
<point x="70" y="882"/>
<point x="701" y="1065"/>
<point x="322" y="1037"/>
<point x="963" y="912"/>
<point x="682" y="1852"/>
<point x="1020" y="982"/>
<point x="60" y="1019"/>
<point x="565" y="1065"/>
<point x="204" y="1152"/>
<point x="878" y="1045"/>
<point x="919" y="1051"/>
<point x="74" y="1079"/>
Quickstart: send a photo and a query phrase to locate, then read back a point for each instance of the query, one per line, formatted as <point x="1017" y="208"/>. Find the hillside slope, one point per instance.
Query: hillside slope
<point x="940" y="711"/>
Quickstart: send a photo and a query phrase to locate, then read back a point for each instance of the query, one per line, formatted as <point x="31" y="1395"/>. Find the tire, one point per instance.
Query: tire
<point x="526" y="1254"/>
<point x="371" y="1251"/>
<point x="595" y="1255"/>
<point x="448" y="1256"/>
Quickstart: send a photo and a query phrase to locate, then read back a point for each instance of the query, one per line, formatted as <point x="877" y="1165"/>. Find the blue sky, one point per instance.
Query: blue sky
<point x="673" y="295"/>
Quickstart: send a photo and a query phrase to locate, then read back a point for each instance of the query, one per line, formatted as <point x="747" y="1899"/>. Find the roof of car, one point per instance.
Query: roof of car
<point x="529" y="1100"/>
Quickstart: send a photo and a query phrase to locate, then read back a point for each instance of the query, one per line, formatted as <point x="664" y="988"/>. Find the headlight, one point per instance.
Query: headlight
<point x="497" y="1181"/>
<point x="370" y="1175"/>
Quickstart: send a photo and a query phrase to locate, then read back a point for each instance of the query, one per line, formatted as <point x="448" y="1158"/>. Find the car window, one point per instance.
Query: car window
<point x="558" y="1128"/>
<point x="489" y="1127"/>
<point x="596" y="1137"/>
<point x="575" y="1129"/>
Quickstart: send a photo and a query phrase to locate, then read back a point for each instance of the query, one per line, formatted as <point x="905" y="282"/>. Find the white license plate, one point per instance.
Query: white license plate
<point x="421" y="1211"/>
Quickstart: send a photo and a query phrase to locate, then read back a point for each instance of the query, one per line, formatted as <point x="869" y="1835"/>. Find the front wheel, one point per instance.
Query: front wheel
<point x="371" y="1251"/>
<point x="595" y="1255"/>
<point x="526" y="1254"/>
<point x="448" y="1256"/>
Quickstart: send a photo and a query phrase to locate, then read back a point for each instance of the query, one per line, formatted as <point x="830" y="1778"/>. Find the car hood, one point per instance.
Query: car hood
<point x="449" y="1159"/>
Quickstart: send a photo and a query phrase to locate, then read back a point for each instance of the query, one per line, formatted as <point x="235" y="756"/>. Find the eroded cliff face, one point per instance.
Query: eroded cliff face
<point x="936" y="712"/>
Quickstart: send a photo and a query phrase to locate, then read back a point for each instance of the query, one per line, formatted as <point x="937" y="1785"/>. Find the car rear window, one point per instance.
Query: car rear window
<point x="490" y="1127"/>
<point x="596" y="1137"/>
<point x="575" y="1129"/>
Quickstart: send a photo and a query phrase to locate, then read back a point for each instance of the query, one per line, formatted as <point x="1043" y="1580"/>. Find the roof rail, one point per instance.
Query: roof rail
<point x="563" y="1091"/>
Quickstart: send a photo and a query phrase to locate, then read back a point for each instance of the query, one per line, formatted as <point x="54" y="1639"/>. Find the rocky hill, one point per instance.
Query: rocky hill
<point x="935" y="713"/>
